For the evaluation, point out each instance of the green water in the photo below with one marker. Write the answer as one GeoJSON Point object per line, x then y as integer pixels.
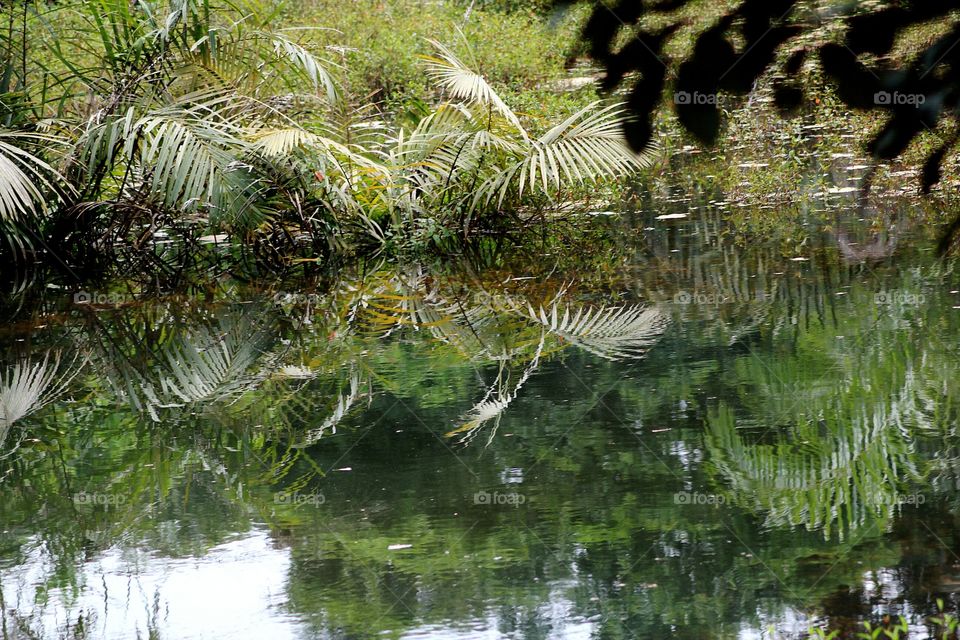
{"type": "Point", "coordinates": [734, 439]}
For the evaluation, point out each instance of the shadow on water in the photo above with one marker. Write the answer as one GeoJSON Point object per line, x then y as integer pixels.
{"type": "Point", "coordinates": [716, 436]}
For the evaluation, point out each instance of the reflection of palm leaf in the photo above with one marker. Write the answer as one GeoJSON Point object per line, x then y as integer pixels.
{"type": "Point", "coordinates": [407, 301]}
{"type": "Point", "coordinates": [609, 332]}
{"type": "Point", "coordinates": [843, 469]}
{"type": "Point", "coordinates": [206, 364]}
{"type": "Point", "coordinates": [27, 387]}
{"type": "Point", "coordinates": [498, 397]}
{"type": "Point", "coordinates": [345, 402]}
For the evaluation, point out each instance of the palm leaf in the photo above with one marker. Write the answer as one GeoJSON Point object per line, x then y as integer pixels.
{"type": "Point", "coordinates": [307, 64]}
{"type": "Point", "coordinates": [197, 162]}
{"type": "Point", "coordinates": [450, 73]}
{"type": "Point", "coordinates": [23, 177]}
{"type": "Point", "coordinates": [587, 146]}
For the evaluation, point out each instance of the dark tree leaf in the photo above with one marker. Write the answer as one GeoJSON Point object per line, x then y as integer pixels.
{"type": "Point", "coordinates": [604, 24]}
{"type": "Point", "coordinates": [875, 32]}
{"type": "Point", "coordinates": [754, 60]}
{"type": "Point", "coordinates": [950, 238]}
{"type": "Point", "coordinates": [643, 100]}
{"type": "Point", "coordinates": [856, 85]}
{"type": "Point", "coordinates": [932, 166]}
{"type": "Point", "coordinates": [787, 97]}
{"type": "Point", "coordinates": [795, 62]}
{"type": "Point", "coordinates": [643, 54]}
{"type": "Point", "coordinates": [895, 137]}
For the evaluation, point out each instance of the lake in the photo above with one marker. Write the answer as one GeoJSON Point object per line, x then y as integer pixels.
{"type": "Point", "coordinates": [718, 435]}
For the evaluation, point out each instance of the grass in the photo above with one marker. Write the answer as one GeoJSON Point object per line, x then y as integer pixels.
{"type": "Point", "coordinates": [378, 44]}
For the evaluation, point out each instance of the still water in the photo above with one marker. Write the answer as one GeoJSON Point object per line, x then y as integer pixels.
{"type": "Point", "coordinates": [718, 436]}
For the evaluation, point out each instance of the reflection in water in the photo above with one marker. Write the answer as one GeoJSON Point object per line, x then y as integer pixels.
{"type": "Point", "coordinates": [744, 439]}
{"type": "Point", "coordinates": [128, 594]}
{"type": "Point", "coordinates": [28, 386]}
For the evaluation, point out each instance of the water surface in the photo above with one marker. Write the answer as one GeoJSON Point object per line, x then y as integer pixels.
{"type": "Point", "coordinates": [714, 437]}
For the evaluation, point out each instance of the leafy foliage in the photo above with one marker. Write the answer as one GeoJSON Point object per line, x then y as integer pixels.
{"type": "Point", "coordinates": [199, 121]}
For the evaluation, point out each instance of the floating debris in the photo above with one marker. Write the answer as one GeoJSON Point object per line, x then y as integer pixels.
{"type": "Point", "coordinates": [397, 547]}
{"type": "Point", "coordinates": [672, 216]}
{"type": "Point", "coordinates": [219, 238]}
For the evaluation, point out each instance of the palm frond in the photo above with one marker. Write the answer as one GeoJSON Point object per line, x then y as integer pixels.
{"type": "Point", "coordinates": [23, 177]}
{"type": "Point", "coordinates": [449, 72]}
{"type": "Point", "coordinates": [197, 162]}
{"type": "Point", "coordinates": [587, 146]}
{"type": "Point", "coordinates": [282, 141]}
{"type": "Point", "coordinates": [308, 64]}
{"type": "Point", "coordinates": [102, 138]}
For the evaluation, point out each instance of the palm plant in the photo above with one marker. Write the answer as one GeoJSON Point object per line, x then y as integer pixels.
{"type": "Point", "coordinates": [175, 94]}
{"type": "Point", "coordinates": [27, 182]}
{"type": "Point", "coordinates": [198, 119]}
{"type": "Point", "coordinates": [475, 152]}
